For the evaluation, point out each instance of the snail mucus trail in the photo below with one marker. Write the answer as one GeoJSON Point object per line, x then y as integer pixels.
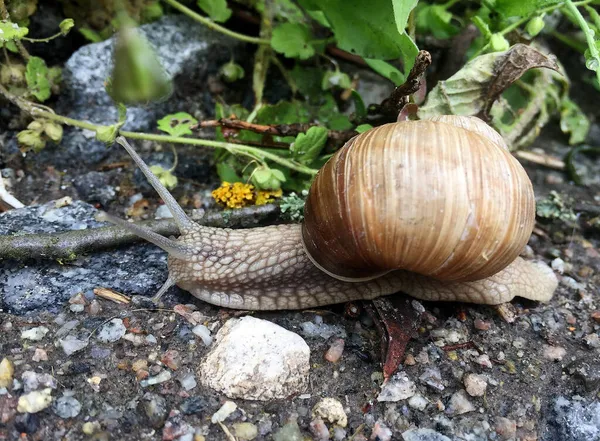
{"type": "Point", "coordinates": [268, 268]}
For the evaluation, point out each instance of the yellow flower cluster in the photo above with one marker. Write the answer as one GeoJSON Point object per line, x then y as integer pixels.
{"type": "Point", "coordinates": [238, 195]}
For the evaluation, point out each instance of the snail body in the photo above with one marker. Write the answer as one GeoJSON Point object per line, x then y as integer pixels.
{"type": "Point", "coordinates": [426, 238]}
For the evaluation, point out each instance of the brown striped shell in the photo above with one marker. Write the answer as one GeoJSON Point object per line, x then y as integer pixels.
{"type": "Point", "coordinates": [440, 197]}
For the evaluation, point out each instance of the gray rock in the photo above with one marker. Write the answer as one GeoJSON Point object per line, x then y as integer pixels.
{"type": "Point", "coordinates": [399, 387]}
{"type": "Point", "coordinates": [67, 407]}
{"type": "Point", "coordinates": [573, 420]}
{"type": "Point", "coordinates": [155, 408]}
{"type": "Point", "coordinates": [255, 359]}
{"type": "Point", "coordinates": [188, 51]}
{"type": "Point", "coordinates": [112, 331]}
{"type": "Point", "coordinates": [47, 285]}
{"type": "Point", "coordinates": [94, 187]}
{"type": "Point", "coordinates": [423, 435]}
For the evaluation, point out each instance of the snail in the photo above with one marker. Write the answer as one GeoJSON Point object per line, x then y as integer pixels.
{"type": "Point", "coordinates": [438, 209]}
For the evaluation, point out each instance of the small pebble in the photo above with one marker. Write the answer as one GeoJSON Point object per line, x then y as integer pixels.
{"type": "Point", "coordinates": [506, 428]}
{"type": "Point", "coordinates": [35, 401]}
{"type": "Point", "coordinates": [34, 380]}
{"type": "Point", "coordinates": [204, 333]}
{"type": "Point", "coordinates": [91, 427]}
{"type": "Point", "coordinates": [381, 432]}
{"type": "Point", "coordinates": [188, 381]}
{"type": "Point", "coordinates": [35, 334]}
{"type": "Point", "coordinates": [194, 405]}
{"type": "Point", "coordinates": [40, 355]}
{"type": "Point", "coordinates": [77, 308]}
{"type": "Point", "coordinates": [112, 331]}
{"type": "Point", "coordinates": [482, 325]}
{"type": "Point", "coordinates": [335, 351]}
{"type": "Point", "coordinates": [95, 308]}
{"type": "Point", "coordinates": [78, 299]}
{"type": "Point", "coordinates": [399, 387]}
{"type": "Point", "coordinates": [432, 378]}
{"type": "Point", "coordinates": [592, 340]}
{"type": "Point", "coordinates": [423, 435]}
{"type": "Point", "coordinates": [245, 431]}
{"type": "Point", "coordinates": [570, 282]}
{"type": "Point", "coordinates": [289, 432]}
{"type": "Point", "coordinates": [459, 404]}
{"type": "Point", "coordinates": [171, 359]}
{"type": "Point", "coordinates": [418, 402]}
{"type": "Point", "coordinates": [138, 364]}
{"type": "Point", "coordinates": [155, 408]}
{"type": "Point", "coordinates": [475, 384]}
{"type": "Point", "coordinates": [554, 353]}
{"type": "Point", "coordinates": [7, 370]}
{"type": "Point", "coordinates": [339, 434]}
{"type": "Point", "coordinates": [226, 409]}
{"type": "Point", "coordinates": [71, 344]}
{"type": "Point", "coordinates": [160, 378]}
{"type": "Point", "coordinates": [330, 409]}
{"type": "Point", "coordinates": [558, 265]}
{"type": "Point", "coordinates": [409, 360]}
{"type": "Point", "coordinates": [595, 315]}
{"type": "Point", "coordinates": [484, 360]}
{"type": "Point", "coordinates": [67, 407]}
{"type": "Point", "coordinates": [319, 429]}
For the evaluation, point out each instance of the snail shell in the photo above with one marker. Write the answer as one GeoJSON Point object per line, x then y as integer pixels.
{"type": "Point", "coordinates": [442, 198]}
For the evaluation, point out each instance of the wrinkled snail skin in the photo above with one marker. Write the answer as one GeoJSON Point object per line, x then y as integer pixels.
{"type": "Point", "coordinates": [267, 268]}
{"type": "Point", "coordinates": [275, 267]}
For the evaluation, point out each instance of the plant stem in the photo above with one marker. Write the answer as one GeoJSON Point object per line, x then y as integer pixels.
{"type": "Point", "coordinates": [5, 16]}
{"type": "Point", "coordinates": [234, 148]}
{"type": "Point", "coordinates": [43, 40]}
{"type": "Point", "coordinates": [214, 26]}
{"type": "Point", "coordinates": [589, 36]}
{"type": "Point", "coordinates": [240, 149]}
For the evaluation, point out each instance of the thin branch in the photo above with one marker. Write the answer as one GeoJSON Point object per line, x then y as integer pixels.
{"type": "Point", "coordinates": [71, 244]}
{"type": "Point", "coordinates": [8, 198]}
{"type": "Point", "coordinates": [340, 136]}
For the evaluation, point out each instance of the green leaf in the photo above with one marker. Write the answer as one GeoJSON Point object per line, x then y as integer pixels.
{"type": "Point", "coordinates": [265, 178]}
{"type": "Point", "coordinates": [335, 78]}
{"type": "Point", "coordinates": [308, 80]}
{"type": "Point", "coordinates": [292, 40]}
{"type": "Point", "coordinates": [498, 43]}
{"type": "Point", "coordinates": [216, 9]}
{"type": "Point", "coordinates": [107, 134]}
{"type": "Point", "coordinates": [151, 12]}
{"type": "Point", "coordinates": [11, 46]}
{"type": "Point", "coordinates": [359, 105]}
{"type": "Point", "coordinates": [232, 71]}
{"type": "Point", "coordinates": [227, 173]}
{"type": "Point", "coordinates": [164, 176]}
{"type": "Point", "coordinates": [91, 35]}
{"type": "Point", "coordinates": [386, 70]}
{"type": "Point", "coordinates": [363, 128]}
{"type": "Point", "coordinates": [367, 29]}
{"type": "Point", "coordinates": [37, 78]}
{"type": "Point", "coordinates": [535, 26]}
{"type": "Point", "coordinates": [435, 19]}
{"type": "Point", "coordinates": [66, 25]}
{"type": "Point", "coordinates": [402, 9]}
{"type": "Point", "coordinates": [574, 121]}
{"type": "Point", "coordinates": [11, 31]}
{"type": "Point", "coordinates": [521, 8]}
{"type": "Point", "coordinates": [307, 146]}
{"type": "Point", "coordinates": [284, 112]}
{"type": "Point", "coordinates": [177, 124]}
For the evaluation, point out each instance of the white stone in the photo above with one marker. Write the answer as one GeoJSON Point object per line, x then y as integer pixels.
{"type": "Point", "coordinates": [72, 344]}
{"type": "Point", "coordinates": [475, 384]}
{"type": "Point", "coordinates": [34, 402]}
{"type": "Point", "coordinates": [34, 334]}
{"type": "Point", "coordinates": [255, 359]}
{"type": "Point", "coordinates": [418, 402]}
{"type": "Point", "coordinates": [224, 411]}
{"type": "Point", "coordinates": [112, 331]}
{"type": "Point", "coordinates": [399, 387]}
{"type": "Point", "coordinates": [330, 409]}
{"type": "Point", "coordinates": [204, 333]}
{"type": "Point", "coordinates": [459, 404]}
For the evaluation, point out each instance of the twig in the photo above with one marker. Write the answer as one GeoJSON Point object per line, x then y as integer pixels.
{"type": "Point", "coordinates": [276, 129]}
{"type": "Point", "coordinates": [8, 198]}
{"type": "Point", "coordinates": [69, 245]}
{"type": "Point", "coordinates": [541, 159]}
{"type": "Point", "coordinates": [391, 106]}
